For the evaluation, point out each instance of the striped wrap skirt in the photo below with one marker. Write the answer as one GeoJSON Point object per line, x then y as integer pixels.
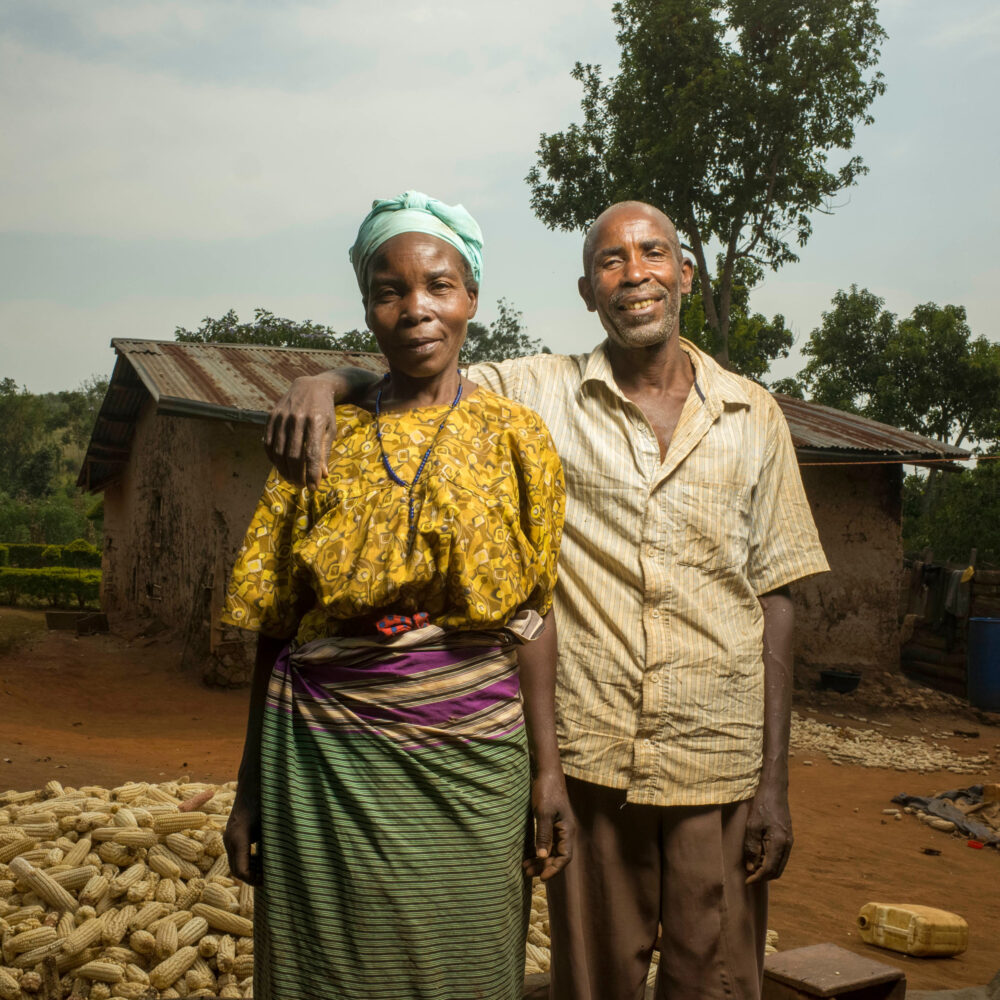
{"type": "Point", "coordinates": [395, 802]}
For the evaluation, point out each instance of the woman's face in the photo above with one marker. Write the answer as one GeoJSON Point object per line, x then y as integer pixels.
{"type": "Point", "coordinates": [418, 305]}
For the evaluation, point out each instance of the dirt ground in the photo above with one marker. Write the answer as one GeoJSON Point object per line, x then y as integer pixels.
{"type": "Point", "coordinates": [103, 710]}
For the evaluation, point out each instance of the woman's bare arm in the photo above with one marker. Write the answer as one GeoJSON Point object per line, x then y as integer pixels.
{"type": "Point", "coordinates": [555, 826]}
{"type": "Point", "coordinates": [243, 828]}
{"type": "Point", "coordinates": [302, 424]}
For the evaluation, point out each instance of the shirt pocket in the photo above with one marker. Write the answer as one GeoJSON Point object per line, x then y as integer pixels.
{"type": "Point", "coordinates": [715, 526]}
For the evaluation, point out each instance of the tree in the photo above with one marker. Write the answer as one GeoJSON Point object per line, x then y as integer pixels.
{"type": "Point", "coordinates": [275, 331]}
{"type": "Point", "coordinates": [925, 373]}
{"type": "Point", "coordinates": [965, 514]}
{"type": "Point", "coordinates": [724, 113]}
{"type": "Point", "coordinates": [504, 338]}
{"type": "Point", "coordinates": [754, 341]}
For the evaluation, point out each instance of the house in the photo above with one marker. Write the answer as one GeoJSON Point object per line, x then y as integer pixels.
{"type": "Point", "coordinates": [176, 449]}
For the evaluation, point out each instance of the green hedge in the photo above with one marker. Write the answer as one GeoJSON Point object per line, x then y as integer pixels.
{"type": "Point", "coordinates": [59, 586]}
{"type": "Point", "coordinates": [79, 554]}
{"type": "Point", "coordinates": [4, 555]}
{"type": "Point", "coordinates": [25, 556]}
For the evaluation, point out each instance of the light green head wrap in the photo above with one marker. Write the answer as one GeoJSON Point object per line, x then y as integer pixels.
{"type": "Point", "coordinates": [414, 212]}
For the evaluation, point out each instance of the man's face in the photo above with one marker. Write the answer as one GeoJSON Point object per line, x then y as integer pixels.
{"type": "Point", "coordinates": [636, 277]}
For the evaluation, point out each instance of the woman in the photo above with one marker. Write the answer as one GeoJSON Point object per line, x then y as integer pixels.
{"type": "Point", "coordinates": [386, 778]}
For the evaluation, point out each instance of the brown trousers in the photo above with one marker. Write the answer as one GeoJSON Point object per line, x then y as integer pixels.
{"type": "Point", "coordinates": [639, 868]}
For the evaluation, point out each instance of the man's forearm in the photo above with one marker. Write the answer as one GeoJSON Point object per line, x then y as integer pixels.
{"type": "Point", "coordinates": [779, 627]}
{"type": "Point", "coordinates": [348, 384]}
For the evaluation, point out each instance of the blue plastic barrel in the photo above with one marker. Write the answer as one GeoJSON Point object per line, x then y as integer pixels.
{"type": "Point", "coordinates": [983, 663]}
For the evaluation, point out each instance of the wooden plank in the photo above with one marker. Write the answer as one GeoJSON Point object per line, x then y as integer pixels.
{"type": "Point", "coordinates": [826, 970]}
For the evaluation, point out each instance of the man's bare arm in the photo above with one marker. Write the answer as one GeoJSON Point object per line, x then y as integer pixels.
{"type": "Point", "coordinates": [768, 839]}
{"type": "Point", "coordinates": [302, 424]}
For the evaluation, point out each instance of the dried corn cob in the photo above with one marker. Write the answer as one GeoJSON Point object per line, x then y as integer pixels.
{"type": "Point", "coordinates": [129, 991]}
{"type": "Point", "coordinates": [16, 847]}
{"type": "Point", "coordinates": [142, 942]}
{"type": "Point", "coordinates": [223, 920]}
{"type": "Point", "coordinates": [171, 969]}
{"type": "Point", "coordinates": [160, 861]}
{"type": "Point", "coordinates": [94, 890]}
{"type": "Point", "coordinates": [135, 836]}
{"type": "Point", "coordinates": [243, 966]}
{"type": "Point", "coordinates": [9, 988]}
{"type": "Point", "coordinates": [192, 932]}
{"type": "Point", "coordinates": [103, 972]}
{"type": "Point", "coordinates": [214, 895]}
{"type": "Point", "coordinates": [74, 879]}
{"type": "Point", "coordinates": [166, 939]}
{"type": "Point", "coordinates": [42, 885]}
{"type": "Point", "coordinates": [172, 822]}
{"type": "Point", "coordinates": [226, 953]}
{"type": "Point", "coordinates": [86, 935]}
{"type": "Point", "coordinates": [115, 925]}
{"type": "Point", "coordinates": [27, 940]}
{"type": "Point", "coordinates": [184, 846]}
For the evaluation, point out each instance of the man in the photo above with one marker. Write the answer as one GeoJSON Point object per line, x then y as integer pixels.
{"type": "Point", "coordinates": [686, 522]}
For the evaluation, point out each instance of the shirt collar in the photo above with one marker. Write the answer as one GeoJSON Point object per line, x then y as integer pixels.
{"type": "Point", "coordinates": [716, 386]}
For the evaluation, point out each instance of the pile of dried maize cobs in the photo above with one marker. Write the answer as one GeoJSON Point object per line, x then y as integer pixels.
{"type": "Point", "coordinates": [126, 892]}
{"type": "Point", "coordinates": [121, 892]}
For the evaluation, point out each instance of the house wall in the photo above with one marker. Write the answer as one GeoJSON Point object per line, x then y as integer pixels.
{"type": "Point", "coordinates": [172, 526]}
{"type": "Point", "coordinates": [848, 618]}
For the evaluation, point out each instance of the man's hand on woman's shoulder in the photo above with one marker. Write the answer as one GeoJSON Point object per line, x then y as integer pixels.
{"type": "Point", "coordinates": [302, 425]}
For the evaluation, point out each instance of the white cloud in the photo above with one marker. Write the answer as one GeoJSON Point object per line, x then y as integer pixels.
{"type": "Point", "coordinates": [111, 150]}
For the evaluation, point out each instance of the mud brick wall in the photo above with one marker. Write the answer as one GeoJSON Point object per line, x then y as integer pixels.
{"type": "Point", "coordinates": [848, 618]}
{"type": "Point", "coordinates": [173, 524]}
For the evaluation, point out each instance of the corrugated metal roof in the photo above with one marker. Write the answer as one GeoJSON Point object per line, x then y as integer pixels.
{"type": "Point", "coordinates": [243, 381]}
{"type": "Point", "coordinates": [823, 429]}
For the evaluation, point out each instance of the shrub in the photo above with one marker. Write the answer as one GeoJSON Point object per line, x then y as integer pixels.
{"type": "Point", "coordinates": [59, 586]}
{"type": "Point", "coordinates": [81, 554]}
{"type": "Point", "coordinates": [25, 555]}
{"type": "Point", "coordinates": [4, 555]}
{"type": "Point", "coordinates": [52, 555]}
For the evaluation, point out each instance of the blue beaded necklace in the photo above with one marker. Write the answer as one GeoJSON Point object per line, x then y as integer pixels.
{"type": "Point", "coordinates": [393, 475]}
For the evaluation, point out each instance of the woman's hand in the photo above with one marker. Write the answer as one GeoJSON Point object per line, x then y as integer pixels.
{"type": "Point", "coordinates": [242, 831]}
{"type": "Point", "coordinates": [555, 826]}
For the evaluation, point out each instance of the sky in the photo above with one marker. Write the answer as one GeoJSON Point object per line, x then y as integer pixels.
{"type": "Point", "coordinates": [165, 161]}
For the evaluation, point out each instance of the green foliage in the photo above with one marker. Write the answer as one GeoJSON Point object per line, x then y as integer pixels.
{"type": "Point", "coordinates": [964, 515]}
{"type": "Point", "coordinates": [25, 556]}
{"type": "Point", "coordinates": [504, 338]}
{"type": "Point", "coordinates": [925, 373]}
{"type": "Point", "coordinates": [42, 442]}
{"type": "Point", "coordinates": [754, 342]}
{"type": "Point", "coordinates": [725, 114]}
{"type": "Point", "coordinates": [275, 331]}
{"type": "Point", "coordinates": [4, 555]}
{"type": "Point", "coordinates": [56, 586]}
{"type": "Point", "coordinates": [80, 554]}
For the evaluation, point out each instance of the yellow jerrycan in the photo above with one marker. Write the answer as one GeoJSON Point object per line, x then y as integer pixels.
{"type": "Point", "coordinates": [913, 930]}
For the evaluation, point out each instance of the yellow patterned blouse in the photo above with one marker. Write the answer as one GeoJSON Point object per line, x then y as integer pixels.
{"type": "Point", "coordinates": [489, 514]}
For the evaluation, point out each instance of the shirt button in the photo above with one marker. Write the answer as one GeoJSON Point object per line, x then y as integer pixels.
{"type": "Point", "coordinates": [654, 678]}
{"type": "Point", "coordinates": [648, 743]}
{"type": "Point", "coordinates": [654, 613]}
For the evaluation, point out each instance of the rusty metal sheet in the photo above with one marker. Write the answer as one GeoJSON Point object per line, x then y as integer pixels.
{"type": "Point", "coordinates": [822, 427]}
